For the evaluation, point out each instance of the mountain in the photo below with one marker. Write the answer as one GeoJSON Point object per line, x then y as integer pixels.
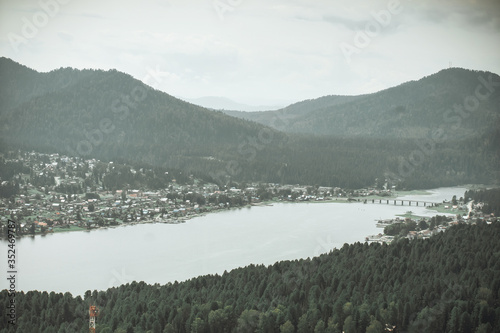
{"type": "Point", "coordinates": [411, 110]}
{"type": "Point", "coordinates": [111, 116]}
{"type": "Point", "coordinates": [223, 103]}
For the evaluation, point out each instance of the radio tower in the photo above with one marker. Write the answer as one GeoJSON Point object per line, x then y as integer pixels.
{"type": "Point", "coordinates": [93, 313]}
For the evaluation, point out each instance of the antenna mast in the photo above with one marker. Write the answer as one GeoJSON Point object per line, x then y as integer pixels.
{"type": "Point", "coordinates": [93, 313]}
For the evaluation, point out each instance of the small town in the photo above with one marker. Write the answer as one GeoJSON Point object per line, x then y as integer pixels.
{"type": "Point", "coordinates": [55, 193]}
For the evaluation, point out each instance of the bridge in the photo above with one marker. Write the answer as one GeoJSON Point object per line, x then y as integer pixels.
{"type": "Point", "coordinates": [401, 202]}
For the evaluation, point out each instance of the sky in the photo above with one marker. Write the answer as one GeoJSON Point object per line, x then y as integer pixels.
{"type": "Point", "coordinates": [255, 51]}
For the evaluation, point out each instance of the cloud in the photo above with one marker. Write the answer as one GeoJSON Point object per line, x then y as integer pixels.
{"type": "Point", "coordinates": [347, 23]}
{"type": "Point", "coordinates": [90, 15]}
{"type": "Point", "coordinates": [484, 18]}
{"type": "Point", "coordinates": [65, 37]}
{"type": "Point", "coordinates": [483, 14]}
{"type": "Point", "coordinates": [281, 49]}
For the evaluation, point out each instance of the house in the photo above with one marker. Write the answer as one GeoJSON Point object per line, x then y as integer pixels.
{"type": "Point", "coordinates": [412, 235]}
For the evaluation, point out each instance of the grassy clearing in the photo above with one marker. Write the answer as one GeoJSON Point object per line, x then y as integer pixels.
{"type": "Point", "coordinates": [441, 209]}
{"type": "Point", "coordinates": [71, 228]}
{"type": "Point", "coordinates": [413, 192]}
{"type": "Point", "coordinates": [375, 197]}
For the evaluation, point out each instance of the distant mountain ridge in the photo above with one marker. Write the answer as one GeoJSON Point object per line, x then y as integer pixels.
{"type": "Point", "coordinates": [410, 110]}
{"type": "Point", "coordinates": [223, 103]}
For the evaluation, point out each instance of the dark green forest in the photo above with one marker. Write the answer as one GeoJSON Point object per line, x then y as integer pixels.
{"type": "Point", "coordinates": [113, 117]}
{"type": "Point", "coordinates": [448, 283]}
{"type": "Point", "coordinates": [490, 198]}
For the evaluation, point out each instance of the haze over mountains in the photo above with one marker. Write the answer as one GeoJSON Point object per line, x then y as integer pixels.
{"type": "Point", "coordinates": [223, 103]}
{"type": "Point", "coordinates": [112, 116]}
{"type": "Point", "coordinates": [410, 110]}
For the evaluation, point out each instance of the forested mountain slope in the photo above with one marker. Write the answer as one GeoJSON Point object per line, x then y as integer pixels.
{"type": "Point", "coordinates": [113, 117]}
{"type": "Point", "coordinates": [411, 110]}
{"type": "Point", "coordinates": [448, 283]}
{"type": "Point", "coordinates": [110, 115]}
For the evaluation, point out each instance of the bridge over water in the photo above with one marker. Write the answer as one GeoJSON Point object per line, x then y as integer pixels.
{"type": "Point", "coordinates": [401, 202]}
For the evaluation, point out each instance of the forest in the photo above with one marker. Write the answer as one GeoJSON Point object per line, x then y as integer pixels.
{"type": "Point", "coordinates": [110, 116]}
{"type": "Point", "coordinates": [448, 283]}
{"type": "Point", "coordinates": [490, 198]}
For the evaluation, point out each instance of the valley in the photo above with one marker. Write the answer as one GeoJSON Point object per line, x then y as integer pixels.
{"type": "Point", "coordinates": [139, 173]}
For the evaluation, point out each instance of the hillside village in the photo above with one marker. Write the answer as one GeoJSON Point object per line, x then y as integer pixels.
{"type": "Point", "coordinates": [53, 193]}
{"type": "Point", "coordinates": [48, 193]}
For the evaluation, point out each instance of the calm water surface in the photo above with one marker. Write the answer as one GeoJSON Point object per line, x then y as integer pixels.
{"type": "Point", "coordinates": [161, 253]}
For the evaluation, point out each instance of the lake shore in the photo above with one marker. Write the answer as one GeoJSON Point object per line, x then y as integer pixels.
{"type": "Point", "coordinates": [182, 219]}
{"type": "Point", "coordinates": [159, 253]}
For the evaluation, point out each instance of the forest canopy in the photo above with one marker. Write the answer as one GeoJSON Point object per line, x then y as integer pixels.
{"type": "Point", "coordinates": [448, 283]}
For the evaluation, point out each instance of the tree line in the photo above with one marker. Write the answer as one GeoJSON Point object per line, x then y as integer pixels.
{"type": "Point", "coordinates": [490, 198]}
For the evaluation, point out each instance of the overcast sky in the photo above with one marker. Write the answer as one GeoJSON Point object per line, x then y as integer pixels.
{"type": "Point", "coordinates": [255, 51]}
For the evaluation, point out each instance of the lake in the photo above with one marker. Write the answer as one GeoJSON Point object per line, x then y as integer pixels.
{"type": "Point", "coordinates": [162, 253]}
